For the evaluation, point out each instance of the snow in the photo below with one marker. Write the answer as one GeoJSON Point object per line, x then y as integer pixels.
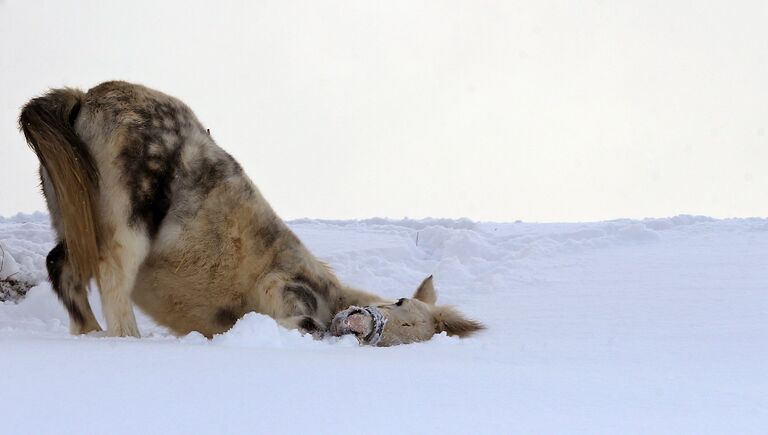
{"type": "Point", "coordinates": [652, 326]}
{"type": "Point", "coordinates": [24, 242]}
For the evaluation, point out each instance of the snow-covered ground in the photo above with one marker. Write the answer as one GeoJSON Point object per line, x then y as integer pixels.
{"type": "Point", "coordinates": [653, 326]}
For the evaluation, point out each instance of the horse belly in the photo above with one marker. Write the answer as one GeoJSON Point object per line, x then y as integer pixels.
{"type": "Point", "coordinates": [193, 288]}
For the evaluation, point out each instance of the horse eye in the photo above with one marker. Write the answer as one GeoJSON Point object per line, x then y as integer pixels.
{"type": "Point", "coordinates": [400, 301]}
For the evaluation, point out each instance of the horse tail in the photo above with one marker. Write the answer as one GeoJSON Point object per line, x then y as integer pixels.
{"type": "Point", "coordinates": [48, 126]}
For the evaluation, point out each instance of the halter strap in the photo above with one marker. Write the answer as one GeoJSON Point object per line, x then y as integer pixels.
{"type": "Point", "coordinates": [378, 326]}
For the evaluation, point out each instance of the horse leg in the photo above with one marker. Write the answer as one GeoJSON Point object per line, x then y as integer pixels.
{"type": "Point", "coordinates": [71, 292]}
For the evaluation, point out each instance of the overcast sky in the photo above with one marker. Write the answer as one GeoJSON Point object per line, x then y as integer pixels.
{"type": "Point", "coordinates": [541, 111]}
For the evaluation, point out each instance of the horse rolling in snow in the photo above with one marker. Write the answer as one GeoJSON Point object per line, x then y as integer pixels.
{"type": "Point", "coordinates": [144, 202]}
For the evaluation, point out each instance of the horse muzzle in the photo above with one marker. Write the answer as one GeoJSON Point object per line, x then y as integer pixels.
{"type": "Point", "coordinates": [367, 323]}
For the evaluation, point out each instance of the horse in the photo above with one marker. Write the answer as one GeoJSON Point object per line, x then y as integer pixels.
{"type": "Point", "coordinates": [146, 204]}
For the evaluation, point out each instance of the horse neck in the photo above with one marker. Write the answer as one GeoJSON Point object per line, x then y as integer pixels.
{"type": "Point", "coordinates": [348, 296]}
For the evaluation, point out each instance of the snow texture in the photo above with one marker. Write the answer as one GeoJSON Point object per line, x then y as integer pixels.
{"type": "Point", "coordinates": [653, 326]}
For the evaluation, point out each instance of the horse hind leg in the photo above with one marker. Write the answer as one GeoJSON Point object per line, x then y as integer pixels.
{"type": "Point", "coordinates": [72, 293]}
{"type": "Point", "coordinates": [119, 268]}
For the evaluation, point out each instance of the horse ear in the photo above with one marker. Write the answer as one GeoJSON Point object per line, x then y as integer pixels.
{"type": "Point", "coordinates": [426, 292]}
{"type": "Point", "coordinates": [454, 323]}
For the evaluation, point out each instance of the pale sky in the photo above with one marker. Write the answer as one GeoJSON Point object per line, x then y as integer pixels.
{"type": "Point", "coordinates": [498, 110]}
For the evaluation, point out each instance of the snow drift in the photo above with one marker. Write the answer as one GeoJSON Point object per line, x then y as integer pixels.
{"type": "Point", "coordinates": [653, 326]}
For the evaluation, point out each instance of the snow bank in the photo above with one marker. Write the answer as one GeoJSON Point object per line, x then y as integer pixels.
{"type": "Point", "coordinates": [260, 331]}
{"type": "Point", "coordinates": [8, 266]}
{"type": "Point", "coordinates": [25, 240]}
{"type": "Point", "coordinates": [652, 326]}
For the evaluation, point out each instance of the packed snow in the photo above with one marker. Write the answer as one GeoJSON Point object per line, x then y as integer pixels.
{"type": "Point", "coordinates": [652, 326]}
